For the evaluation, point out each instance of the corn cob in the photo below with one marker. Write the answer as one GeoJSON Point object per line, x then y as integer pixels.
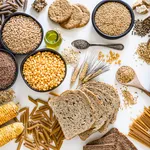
{"type": "Point", "coordinates": [10, 132]}
{"type": "Point", "coordinates": [8, 112]}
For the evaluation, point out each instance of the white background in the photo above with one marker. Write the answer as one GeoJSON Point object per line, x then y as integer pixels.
{"type": "Point", "coordinates": [127, 55]}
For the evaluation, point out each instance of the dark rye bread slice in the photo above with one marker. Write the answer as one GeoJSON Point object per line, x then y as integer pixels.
{"type": "Point", "coordinates": [109, 89]}
{"type": "Point", "coordinates": [100, 147]}
{"type": "Point", "coordinates": [73, 112]}
{"type": "Point", "coordinates": [114, 136]}
{"type": "Point", "coordinates": [99, 117]}
{"type": "Point", "coordinates": [111, 146]}
{"type": "Point", "coordinates": [108, 103]}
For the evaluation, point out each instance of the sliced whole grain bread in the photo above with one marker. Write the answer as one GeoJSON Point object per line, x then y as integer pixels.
{"type": "Point", "coordinates": [99, 117]}
{"type": "Point", "coordinates": [111, 138]}
{"type": "Point", "coordinates": [114, 136]}
{"type": "Point", "coordinates": [73, 112]}
{"type": "Point", "coordinates": [100, 147]}
{"type": "Point", "coordinates": [108, 103]}
{"type": "Point", "coordinates": [111, 146]}
{"type": "Point", "coordinates": [109, 89]}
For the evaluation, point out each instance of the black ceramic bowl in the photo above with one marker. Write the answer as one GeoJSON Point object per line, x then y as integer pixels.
{"type": "Point", "coordinates": [33, 53]}
{"type": "Point", "coordinates": [108, 36]}
{"type": "Point", "coordinates": [17, 14]}
{"type": "Point", "coordinates": [16, 74]}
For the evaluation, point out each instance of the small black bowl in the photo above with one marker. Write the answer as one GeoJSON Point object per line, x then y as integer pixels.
{"type": "Point", "coordinates": [16, 74]}
{"type": "Point", "coordinates": [33, 53]}
{"type": "Point", "coordinates": [108, 36]}
{"type": "Point", "coordinates": [1, 31]}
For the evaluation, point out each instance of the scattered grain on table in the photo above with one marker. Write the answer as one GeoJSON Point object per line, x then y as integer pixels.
{"type": "Point", "coordinates": [21, 34]}
{"type": "Point", "coordinates": [44, 71]}
{"type": "Point", "coordinates": [113, 18]}
{"type": "Point", "coordinates": [125, 74]}
{"type": "Point", "coordinates": [111, 57]}
{"type": "Point", "coordinates": [128, 99]}
{"type": "Point", "coordinates": [70, 55]}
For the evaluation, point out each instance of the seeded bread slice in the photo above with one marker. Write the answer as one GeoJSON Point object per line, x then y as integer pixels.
{"type": "Point", "coordinates": [73, 112]}
{"type": "Point", "coordinates": [99, 117]}
{"type": "Point", "coordinates": [108, 89]}
{"type": "Point", "coordinates": [108, 103]}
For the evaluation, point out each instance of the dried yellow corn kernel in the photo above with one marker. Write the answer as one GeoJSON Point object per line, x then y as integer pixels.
{"type": "Point", "coordinates": [10, 132]}
{"type": "Point", "coordinates": [8, 112]}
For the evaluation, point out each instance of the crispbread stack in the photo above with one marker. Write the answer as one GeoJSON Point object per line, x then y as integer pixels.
{"type": "Point", "coordinates": [67, 15]}
{"type": "Point", "coordinates": [113, 140]}
{"type": "Point", "coordinates": [88, 110]}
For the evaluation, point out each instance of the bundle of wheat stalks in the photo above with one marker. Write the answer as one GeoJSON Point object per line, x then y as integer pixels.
{"type": "Point", "coordinates": [140, 129]}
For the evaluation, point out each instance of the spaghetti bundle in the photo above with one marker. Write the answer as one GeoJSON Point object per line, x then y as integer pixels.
{"type": "Point", "coordinates": [140, 129]}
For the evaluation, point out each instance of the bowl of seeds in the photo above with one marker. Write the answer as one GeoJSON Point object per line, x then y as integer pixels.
{"type": "Point", "coordinates": [21, 33]}
{"type": "Point", "coordinates": [43, 70]}
{"type": "Point", "coordinates": [8, 70]}
{"type": "Point", "coordinates": [112, 19]}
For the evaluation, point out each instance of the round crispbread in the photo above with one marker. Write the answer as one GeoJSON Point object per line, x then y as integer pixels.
{"type": "Point", "coordinates": [75, 18]}
{"type": "Point", "coordinates": [85, 15]}
{"type": "Point", "coordinates": [60, 11]}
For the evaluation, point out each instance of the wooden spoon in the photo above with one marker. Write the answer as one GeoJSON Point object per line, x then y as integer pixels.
{"type": "Point", "coordinates": [137, 84]}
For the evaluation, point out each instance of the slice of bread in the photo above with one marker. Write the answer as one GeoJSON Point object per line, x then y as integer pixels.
{"type": "Point", "coordinates": [108, 103]}
{"type": "Point", "coordinates": [114, 136]}
{"type": "Point", "coordinates": [100, 118]}
{"type": "Point", "coordinates": [73, 112]}
{"type": "Point", "coordinates": [100, 147]}
{"type": "Point", "coordinates": [108, 89]}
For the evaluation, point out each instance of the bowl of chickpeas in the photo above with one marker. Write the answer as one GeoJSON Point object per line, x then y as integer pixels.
{"type": "Point", "coordinates": [43, 70]}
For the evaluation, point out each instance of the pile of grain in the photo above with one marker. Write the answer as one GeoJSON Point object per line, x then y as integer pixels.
{"type": "Point", "coordinates": [144, 52]}
{"type": "Point", "coordinates": [125, 74]}
{"type": "Point", "coordinates": [128, 99]}
{"type": "Point", "coordinates": [113, 18]}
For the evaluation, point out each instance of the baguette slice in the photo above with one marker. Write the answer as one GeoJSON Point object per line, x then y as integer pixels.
{"type": "Point", "coordinates": [108, 89]}
{"type": "Point", "coordinates": [99, 117]}
{"type": "Point", "coordinates": [74, 112]}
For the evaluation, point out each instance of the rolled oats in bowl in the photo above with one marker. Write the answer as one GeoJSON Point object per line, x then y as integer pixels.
{"type": "Point", "coordinates": [112, 18]}
{"type": "Point", "coordinates": [21, 34]}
